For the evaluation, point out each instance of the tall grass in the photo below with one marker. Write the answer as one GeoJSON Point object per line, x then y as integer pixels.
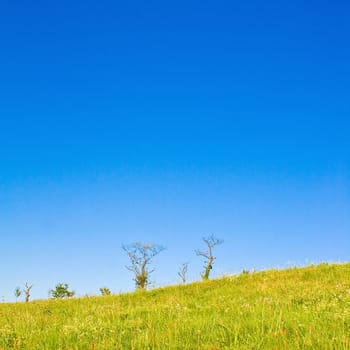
{"type": "Point", "coordinates": [299, 308]}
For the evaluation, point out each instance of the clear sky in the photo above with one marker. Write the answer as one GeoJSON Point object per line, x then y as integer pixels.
{"type": "Point", "coordinates": [166, 121]}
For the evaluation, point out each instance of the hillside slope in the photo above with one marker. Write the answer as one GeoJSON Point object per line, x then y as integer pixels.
{"type": "Point", "coordinates": [299, 308]}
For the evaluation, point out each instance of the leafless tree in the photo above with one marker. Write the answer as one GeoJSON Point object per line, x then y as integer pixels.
{"type": "Point", "coordinates": [210, 242]}
{"type": "Point", "coordinates": [183, 272]}
{"type": "Point", "coordinates": [26, 291]}
{"type": "Point", "coordinates": [140, 255]}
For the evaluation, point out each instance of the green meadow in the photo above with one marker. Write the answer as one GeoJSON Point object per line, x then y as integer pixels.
{"type": "Point", "coordinates": [296, 308]}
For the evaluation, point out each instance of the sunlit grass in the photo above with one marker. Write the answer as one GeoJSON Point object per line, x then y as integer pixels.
{"type": "Point", "coordinates": [299, 308]}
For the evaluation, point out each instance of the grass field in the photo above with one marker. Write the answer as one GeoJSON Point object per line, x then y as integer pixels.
{"type": "Point", "coordinates": [298, 308]}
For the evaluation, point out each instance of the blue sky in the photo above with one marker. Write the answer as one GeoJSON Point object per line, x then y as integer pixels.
{"type": "Point", "coordinates": [165, 122]}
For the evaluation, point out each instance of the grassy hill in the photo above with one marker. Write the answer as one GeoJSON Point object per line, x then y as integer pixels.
{"type": "Point", "coordinates": [298, 308]}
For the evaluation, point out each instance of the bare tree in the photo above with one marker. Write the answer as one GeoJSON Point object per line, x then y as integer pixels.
{"type": "Point", "coordinates": [140, 255]}
{"type": "Point", "coordinates": [183, 272]}
{"type": "Point", "coordinates": [26, 291]}
{"type": "Point", "coordinates": [210, 242]}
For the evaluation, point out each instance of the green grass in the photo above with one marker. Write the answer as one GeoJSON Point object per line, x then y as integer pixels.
{"type": "Point", "coordinates": [298, 308]}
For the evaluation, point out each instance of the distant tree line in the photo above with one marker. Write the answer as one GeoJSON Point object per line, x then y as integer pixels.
{"type": "Point", "coordinates": [141, 256]}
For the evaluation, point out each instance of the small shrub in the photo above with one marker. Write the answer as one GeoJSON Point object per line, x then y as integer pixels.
{"type": "Point", "coordinates": [61, 291]}
{"type": "Point", "coordinates": [105, 291]}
